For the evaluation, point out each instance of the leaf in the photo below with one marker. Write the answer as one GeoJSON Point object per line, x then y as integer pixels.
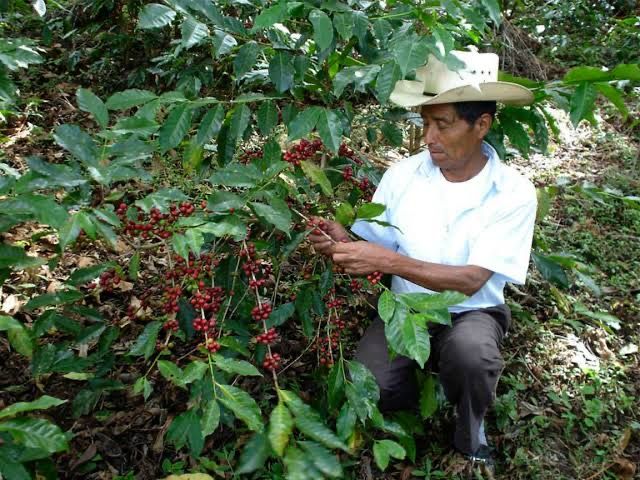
{"type": "Point", "coordinates": [160, 199]}
{"type": "Point", "coordinates": [280, 428]}
{"type": "Point", "coordinates": [267, 117]}
{"type": "Point", "coordinates": [276, 213]}
{"type": "Point", "coordinates": [345, 214]}
{"type": "Point", "coordinates": [281, 71]}
{"type": "Point", "coordinates": [384, 449]}
{"type": "Point", "coordinates": [493, 7]}
{"type": "Point", "coordinates": [154, 15]}
{"type": "Point", "coordinates": [231, 365]}
{"type": "Point", "coordinates": [428, 397]}
{"type": "Point", "coordinates": [359, 76]}
{"type": "Point", "coordinates": [245, 58]}
{"type": "Point", "coordinates": [346, 421]}
{"type": "Point", "coordinates": [221, 201]}
{"type": "Point", "coordinates": [343, 22]}
{"type": "Point", "coordinates": [140, 126]}
{"type": "Point", "coordinates": [129, 98]}
{"type": "Point", "coordinates": [54, 298]}
{"type": "Point", "coordinates": [370, 210]}
{"type": "Point", "coordinates": [299, 466]}
{"type": "Point", "coordinates": [392, 133]}
{"type": "Point", "coordinates": [237, 175]}
{"type": "Point", "coordinates": [21, 340]}
{"type": "Point", "coordinates": [143, 386]}
{"type": "Point", "coordinates": [210, 125]}
{"type": "Point", "coordinates": [185, 429]}
{"type": "Point", "coordinates": [386, 80]}
{"type": "Point", "coordinates": [330, 129]}
{"type": "Point", "coordinates": [410, 54]}
{"type": "Point", "coordinates": [269, 16]}
{"type": "Point", "coordinates": [193, 32]}
{"type": "Point", "coordinates": [550, 270]}
{"type": "Point", "coordinates": [254, 454]}
{"type": "Point", "coordinates": [230, 226]}
{"type": "Point", "coordinates": [386, 306]}
{"type": "Point", "coordinates": [238, 124]}
{"type": "Point", "coordinates": [175, 128]}
{"type": "Point", "coordinates": [36, 433]}
{"type": "Point", "coordinates": [614, 96]}
{"type": "Point", "coordinates": [582, 102]}
{"type": "Point", "coordinates": [322, 29]}
{"type": "Point", "coordinates": [86, 274]}
{"type": "Point", "coordinates": [303, 123]}
{"type": "Point", "coordinates": [41, 403]}
{"type": "Point", "coordinates": [171, 372]}
{"type": "Point", "coordinates": [15, 257]}
{"type": "Point", "coordinates": [77, 142]}
{"type": "Point", "coordinates": [280, 315]}
{"type": "Point", "coordinates": [89, 102]}
{"type": "Point", "coordinates": [210, 417]}
{"type": "Point", "coordinates": [323, 459]}
{"type": "Point", "coordinates": [134, 266]}
{"type": "Point", "coordinates": [223, 43]}
{"type": "Point", "coordinates": [518, 136]}
{"type": "Point", "coordinates": [10, 468]}
{"type": "Point", "coordinates": [317, 176]}
{"type": "Point", "coordinates": [146, 342]}
{"type": "Point", "coordinates": [427, 302]}
{"type": "Point", "coordinates": [242, 405]}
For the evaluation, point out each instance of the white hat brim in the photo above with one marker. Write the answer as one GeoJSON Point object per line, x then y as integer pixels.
{"type": "Point", "coordinates": [408, 94]}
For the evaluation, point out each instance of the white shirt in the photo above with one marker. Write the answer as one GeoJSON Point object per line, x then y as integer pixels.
{"type": "Point", "coordinates": [486, 221]}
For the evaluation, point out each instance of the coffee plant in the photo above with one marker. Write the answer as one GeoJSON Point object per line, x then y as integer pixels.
{"type": "Point", "coordinates": [197, 201]}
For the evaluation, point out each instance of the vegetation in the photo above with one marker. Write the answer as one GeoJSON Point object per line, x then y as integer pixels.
{"type": "Point", "coordinates": [162, 166]}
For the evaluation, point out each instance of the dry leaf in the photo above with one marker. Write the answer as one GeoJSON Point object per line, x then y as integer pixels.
{"type": "Point", "coordinates": [125, 286]}
{"type": "Point", "coordinates": [624, 468]}
{"type": "Point", "coordinates": [190, 476]}
{"type": "Point", "coordinates": [11, 305]}
{"type": "Point", "coordinates": [54, 286]}
{"type": "Point", "coordinates": [86, 262]}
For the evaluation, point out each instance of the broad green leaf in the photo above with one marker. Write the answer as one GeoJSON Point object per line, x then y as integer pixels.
{"type": "Point", "coordinates": [330, 129]}
{"type": "Point", "coordinates": [36, 433]}
{"type": "Point", "coordinates": [386, 306]}
{"type": "Point", "coordinates": [210, 125]}
{"type": "Point", "coordinates": [280, 428]}
{"type": "Point", "coordinates": [317, 175]}
{"type": "Point", "coordinates": [254, 454]}
{"type": "Point", "coordinates": [141, 126]}
{"type": "Point", "coordinates": [21, 340]}
{"type": "Point", "coordinates": [386, 80]}
{"type": "Point", "coordinates": [221, 201]}
{"type": "Point", "coordinates": [245, 58]}
{"type": "Point", "coordinates": [428, 397]}
{"type": "Point", "coordinates": [493, 7]}
{"type": "Point", "coordinates": [9, 467]}
{"type": "Point", "coordinates": [160, 199]}
{"type": "Point", "coordinates": [384, 449]}
{"type": "Point", "coordinates": [237, 175]}
{"type": "Point", "coordinates": [78, 143]}
{"type": "Point", "coordinates": [146, 342]}
{"type": "Point", "coordinates": [345, 214]}
{"type": "Point", "coordinates": [324, 460]}
{"type": "Point", "coordinates": [9, 323]}
{"type": "Point", "coordinates": [281, 71]}
{"type": "Point", "coordinates": [210, 417]}
{"type": "Point", "coordinates": [54, 298]}
{"type": "Point", "coordinates": [90, 103]}
{"type": "Point", "coordinates": [614, 96]}
{"type": "Point", "coordinates": [276, 213]}
{"type": "Point", "coordinates": [550, 270]}
{"type": "Point", "coordinates": [231, 226]}
{"type": "Point", "coordinates": [392, 133]}
{"type": "Point", "coordinates": [322, 29]}
{"type": "Point", "coordinates": [239, 367]}
{"type": "Point", "coordinates": [359, 76]}
{"type": "Point", "coordinates": [180, 246]}
{"type": "Point", "coordinates": [303, 123]}
{"type": "Point", "coordinates": [242, 405]}
{"type": "Point", "coordinates": [370, 210]}
{"type": "Point", "coordinates": [267, 117]}
{"type": "Point", "coordinates": [194, 372]}
{"type": "Point", "coordinates": [41, 403]}
{"type": "Point", "coordinates": [516, 133]}
{"type": "Point", "coordinates": [421, 301]}
{"type": "Point", "coordinates": [410, 54]}
{"type": "Point", "coordinates": [393, 330]}
{"type": "Point", "coordinates": [129, 98]}
{"type": "Point", "coordinates": [86, 274]}
{"type": "Point", "coordinates": [43, 209]}
{"type": "Point", "coordinates": [171, 372]}
{"type": "Point", "coordinates": [344, 25]}
{"type": "Point", "coordinates": [193, 32]}
{"type": "Point", "coordinates": [185, 430]}
{"type": "Point", "coordinates": [582, 102]}
{"type": "Point", "coordinates": [175, 127]}
{"type": "Point", "coordinates": [143, 386]}
{"type": "Point", "coordinates": [346, 422]}
{"type": "Point", "coordinates": [238, 124]}
{"type": "Point", "coordinates": [627, 71]}
{"type": "Point", "coordinates": [15, 257]}
{"type": "Point", "coordinates": [269, 16]}
{"type": "Point", "coordinates": [155, 15]}
{"type": "Point", "coordinates": [335, 384]}
{"type": "Point", "coordinates": [299, 466]}
{"type": "Point", "coordinates": [223, 43]}
{"type": "Point", "coordinates": [280, 315]}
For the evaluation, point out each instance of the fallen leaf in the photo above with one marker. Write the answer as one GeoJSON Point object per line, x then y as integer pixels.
{"type": "Point", "coordinates": [54, 286]}
{"type": "Point", "coordinates": [86, 262]}
{"type": "Point", "coordinates": [11, 305]}
{"type": "Point", "coordinates": [624, 441]}
{"type": "Point", "coordinates": [628, 349]}
{"type": "Point", "coordinates": [190, 476]}
{"type": "Point", "coordinates": [125, 286]}
{"type": "Point", "coordinates": [88, 454]}
{"type": "Point", "coordinates": [625, 469]}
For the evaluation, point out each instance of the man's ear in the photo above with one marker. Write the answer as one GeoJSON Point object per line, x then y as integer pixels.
{"type": "Point", "coordinates": [483, 124]}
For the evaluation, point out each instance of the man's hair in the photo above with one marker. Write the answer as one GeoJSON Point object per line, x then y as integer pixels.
{"type": "Point", "coordinates": [472, 111]}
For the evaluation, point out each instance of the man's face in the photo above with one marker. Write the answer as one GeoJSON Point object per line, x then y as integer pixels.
{"type": "Point", "coordinates": [451, 141]}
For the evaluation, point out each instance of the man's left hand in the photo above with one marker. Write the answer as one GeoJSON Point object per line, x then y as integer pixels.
{"type": "Point", "coordinates": [362, 258]}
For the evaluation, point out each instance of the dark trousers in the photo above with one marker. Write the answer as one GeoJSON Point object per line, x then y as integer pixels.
{"type": "Point", "coordinates": [467, 355]}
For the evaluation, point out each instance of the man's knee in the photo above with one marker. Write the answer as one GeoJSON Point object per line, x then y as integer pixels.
{"type": "Point", "coordinates": [471, 356]}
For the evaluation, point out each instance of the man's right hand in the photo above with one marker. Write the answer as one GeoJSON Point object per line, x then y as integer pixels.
{"type": "Point", "coordinates": [321, 243]}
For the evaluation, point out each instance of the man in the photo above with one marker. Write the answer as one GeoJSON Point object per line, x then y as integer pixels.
{"type": "Point", "coordinates": [465, 223]}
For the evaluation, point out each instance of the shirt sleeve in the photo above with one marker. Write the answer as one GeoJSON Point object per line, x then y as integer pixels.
{"type": "Point", "coordinates": [504, 245]}
{"type": "Point", "coordinates": [374, 232]}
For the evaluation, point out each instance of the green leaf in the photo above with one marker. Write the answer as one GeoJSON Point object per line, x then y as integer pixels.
{"type": "Point", "coordinates": [221, 201]}
{"type": "Point", "coordinates": [245, 58]}
{"type": "Point", "coordinates": [267, 117]}
{"type": "Point", "coordinates": [392, 133]}
{"type": "Point", "coordinates": [77, 142]}
{"type": "Point", "coordinates": [254, 454]}
{"type": "Point", "coordinates": [582, 102]}
{"type": "Point", "coordinates": [41, 403]}
{"type": "Point", "coordinates": [614, 96]}
{"type": "Point", "coordinates": [15, 257]}
{"type": "Point", "coordinates": [154, 15]}
{"type": "Point", "coordinates": [345, 214]}
{"type": "Point", "coordinates": [323, 459]}
{"type": "Point", "coordinates": [146, 342]}
{"type": "Point", "coordinates": [140, 126]}
{"type": "Point", "coordinates": [185, 430]}
{"type": "Point", "coordinates": [54, 298]}
{"type": "Point", "coordinates": [160, 199]}
{"type": "Point", "coordinates": [86, 274]}
{"type": "Point", "coordinates": [21, 340]}
{"type": "Point", "coordinates": [269, 16]}
{"type": "Point", "coordinates": [9, 323]}
{"type": "Point", "coordinates": [518, 136]}
{"type": "Point", "coordinates": [231, 365]}
{"type": "Point", "coordinates": [386, 306]}
{"type": "Point", "coordinates": [171, 372]}
{"type": "Point", "coordinates": [346, 422]}
{"type": "Point", "coordinates": [322, 29]}
{"type": "Point", "coordinates": [424, 302]}
{"type": "Point", "coordinates": [36, 433]}
{"type": "Point", "coordinates": [143, 386]}
{"type": "Point", "coordinates": [330, 129]}
{"type": "Point", "coordinates": [493, 7]}
{"type": "Point", "coordinates": [90, 103]}
{"type": "Point", "coordinates": [359, 76]}
{"type": "Point", "coordinates": [134, 266]}
{"type": "Point", "coordinates": [370, 210]}
{"type": "Point", "coordinates": [386, 80]}
{"type": "Point", "coordinates": [384, 449]}
{"type": "Point", "coordinates": [230, 226]}
{"type": "Point", "coordinates": [281, 71]}
{"type": "Point", "coordinates": [428, 397]}
{"type": "Point", "coordinates": [280, 428]}
{"type": "Point", "coordinates": [210, 417]}
{"type": "Point", "coordinates": [210, 125]}
{"type": "Point", "coordinates": [239, 121]}
{"type": "Point", "coordinates": [280, 315]}
{"type": "Point", "coordinates": [175, 128]}
{"type": "Point", "coordinates": [223, 43]}
{"type": "Point", "coordinates": [299, 466]}
{"type": "Point", "coordinates": [343, 22]}
{"type": "Point", "coordinates": [276, 213]}
{"type": "Point", "coordinates": [242, 405]}
{"type": "Point", "coordinates": [550, 270]}
{"type": "Point", "coordinates": [303, 123]}
{"type": "Point", "coordinates": [237, 175]}
{"type": "Point", "coordinates": [335, 384]}
{"type": "Point", "coordinates": [317, 175]}
{"type": "Point", "coordinates": [10, 468]}
{"type": "Point", "coordinates": [193, 32]}
{"type": "Point", "coordinates": [43, 209]}
{"type": "Point", "coordinates": [410, 54]}
{"type": "Point", "coordinates": [129, 98]}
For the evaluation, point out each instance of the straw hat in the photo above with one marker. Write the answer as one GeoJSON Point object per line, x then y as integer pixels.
{"type": "Point", "coordinates": [477, 81]}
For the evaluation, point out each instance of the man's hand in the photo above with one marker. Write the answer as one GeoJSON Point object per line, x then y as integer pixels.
{"type": "Point", "coordinates": [362, 258]}
{"type": "Point", "coordinates": [321, 243]}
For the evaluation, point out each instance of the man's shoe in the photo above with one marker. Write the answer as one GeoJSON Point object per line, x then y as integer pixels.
{"type": "Point", "coordinates": [482, 461]}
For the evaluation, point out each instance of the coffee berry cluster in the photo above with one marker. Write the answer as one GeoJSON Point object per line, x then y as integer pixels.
{"type": "Point", "coordinates": [303, 150]}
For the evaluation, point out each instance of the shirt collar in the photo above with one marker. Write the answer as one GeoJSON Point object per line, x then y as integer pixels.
{"type": "Point", "coordinates": [496, 168]}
